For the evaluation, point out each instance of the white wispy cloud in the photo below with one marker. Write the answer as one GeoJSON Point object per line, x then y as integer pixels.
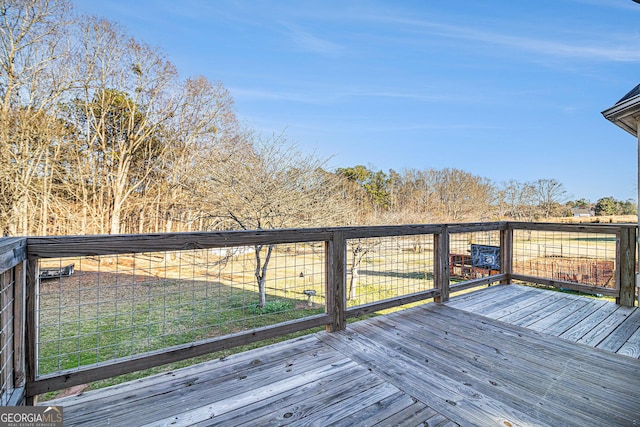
{"type": "Point", "coordinates": [312, 43]}
{"type": "Point", "coordinates": [586, 46]}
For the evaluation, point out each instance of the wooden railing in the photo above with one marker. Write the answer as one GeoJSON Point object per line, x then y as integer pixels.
{"type": "Point", "coordinates": [594, 258]}
{"type": "Point", "coordinates": [12, 321]}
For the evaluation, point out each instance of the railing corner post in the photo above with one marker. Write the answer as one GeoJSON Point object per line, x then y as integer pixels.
{"type": "Point", "coordinates": [627, 266]}
{"type": "Point", "coordinates": [506, 254]}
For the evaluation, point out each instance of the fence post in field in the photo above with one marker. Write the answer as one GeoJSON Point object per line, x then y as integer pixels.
{"type": "Point", "coordinates": [626, 256]}
{"type": "Point", "coordinates": [506, 253]}
{"type": "Point", "coordinates": [336, 281]}
{"type": "Point", "coordinates": [441, 264]}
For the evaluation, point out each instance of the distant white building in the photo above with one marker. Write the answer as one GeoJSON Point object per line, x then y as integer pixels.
{"type": "Point", "coordinates": [582, 212]}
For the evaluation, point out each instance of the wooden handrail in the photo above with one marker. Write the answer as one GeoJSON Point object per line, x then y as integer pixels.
{"type": "Point", "coordinates": [22, 254]}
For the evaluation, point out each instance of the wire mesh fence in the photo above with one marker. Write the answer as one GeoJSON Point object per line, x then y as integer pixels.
{"type": "Point", "coordinates": [380, 268]}
{"type": "Point", "coordinates": [473, 255]}
{"type": "Point", "coordinates": [98, 308]}
{"type": "Point", "coordinates": [132, 309]}
{"type": "Point", "coordinates": [584, 258]}
{"type": "Point", "coordinates": [7, 354]}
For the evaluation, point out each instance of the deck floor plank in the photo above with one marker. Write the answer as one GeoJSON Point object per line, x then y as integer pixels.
{"type": "Point", "coordinates": [590, 322]}
{"type": "Point", "coordinates": [533, 368]}
{"type": "Point", "coordinates": [480, 298]}
{"type": "Point", "coordinates": [558, 316]}
{"type": "Point", "coordinates": [543, 312]}
{"type": "Point", "coordinates": [539, 308]}
{"type": "Point", "coordinates": [416, 414]}
{"type": "Point", "coordinates": [605, 328]}
{"type": "Point", "coordinates": [224, 369]}
{"type": "Point", "coordinates": [632, 347]}
{"type": "Point", "coordinates": [434, 364]}
{"type": "Point", "coordinates": [162, 402]}
{"type": "Point", "coordinates": [509, 305]}
{"type": "Point", "coordinates": [244, 411]}
{"type": "Point", "coordinates": [561, 326]}
{"type": "Point", "coordinates": [514, 384]}
{"type": "Point", "coordinates": [521, 298]}
{"type": "Point", "coordinates": [448, 396]}
{"type": "Point", "coordinates": [622, 333]}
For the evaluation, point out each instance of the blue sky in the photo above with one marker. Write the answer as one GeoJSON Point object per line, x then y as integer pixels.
{"type": "Point", "coordinates": [504, 89]}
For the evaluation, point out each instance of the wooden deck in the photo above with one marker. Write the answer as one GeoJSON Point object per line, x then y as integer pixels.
{"type": "Point", "coordinates": [435, 365]}
{"type": "Point", "coordinates": [594, 322]}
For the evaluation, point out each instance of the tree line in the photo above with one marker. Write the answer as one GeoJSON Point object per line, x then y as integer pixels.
{"type": "Point", "coordinates": [100, 134]}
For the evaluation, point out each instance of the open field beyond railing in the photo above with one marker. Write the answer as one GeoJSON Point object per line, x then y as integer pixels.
{"type": "Point", "coordinates": [84, 308]}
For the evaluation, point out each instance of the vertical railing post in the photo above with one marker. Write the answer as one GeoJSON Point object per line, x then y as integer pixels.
{"type": "Point", "coordinates": [441, 264]}
{"type": "Point", "coordinates": [7, 285]}
{"type": "Point", "coordinates": [19, 324]}
{"type": "Point", "coordinates": [31, 328]}
{"type": "Point", "coordinates": [626, 262]}
{"type": "Point", "coordinates": [336, 281]}
{"type": "Point", "coordinates": [506, 254]}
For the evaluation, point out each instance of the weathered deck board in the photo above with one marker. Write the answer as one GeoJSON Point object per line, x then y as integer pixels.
{"type": "Point", "coordinates": [537, 308]}
{"type": "Point", "coordinates": [574, 318]}
{"type": "Point", "coordinates": [487, 371]}
{"type": "Point", "coordinates": [479, 376]}
{"type": "Point", "coordinates": [593, 322]}
{"type": "Point", "coordinates": [432, 364]}
{"type": "Point", "coordinates": [632, 346]}
{"type": "Point", "coordinates": [489, 297]}
{"type": "Point", "coordinates": [622, 333]}
{"type": "Point", "coordinates": [431, 386]}
{"type": "Point", "coordinates": [606, 327]}
{"type": "Point", "coordinates": [590, 322]}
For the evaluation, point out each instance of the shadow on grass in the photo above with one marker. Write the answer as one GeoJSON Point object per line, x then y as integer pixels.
{"type": "Point", "coordinates": [417, 275]}
{"type": "Point", "coordinates": [607, 239]}
{"type": "Point", "coordinates": [93, 317]}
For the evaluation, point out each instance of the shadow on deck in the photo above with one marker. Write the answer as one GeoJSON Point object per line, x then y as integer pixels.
{"type": "Point", "coordinates": [496, 357]}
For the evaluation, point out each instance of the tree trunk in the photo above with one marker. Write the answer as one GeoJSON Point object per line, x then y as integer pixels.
{"type": "Point", "coordinates": [261, 273]}
{"type": "Point", "coordinates": [353, 283]}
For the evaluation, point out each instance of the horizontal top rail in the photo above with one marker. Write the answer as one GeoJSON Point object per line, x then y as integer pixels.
{"type": "Point", "coordinates": [578, 228]}
{"type": "Point", "coordinates": [93, 245]}
{"type": "Point", "coordinates": [67, 246]}
{"type": "Point", "coordinates": [13, 250]}
{"type": "Point", "coordinates": [477, 226]}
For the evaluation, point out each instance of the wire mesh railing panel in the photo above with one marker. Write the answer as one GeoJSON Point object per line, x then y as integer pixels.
{"type": "Point", "coordinates": [380, 268]}
{"type": "Point", "coordinates": [7, 356]}
{"type": "Point", "coordinates": [98, 308]}
{"type": "Point", "coordinates": [473, 255]}
{"type": "Point", "coordinates": [582, 258]}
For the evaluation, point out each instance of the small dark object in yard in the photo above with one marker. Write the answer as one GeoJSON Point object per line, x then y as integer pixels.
{"type": "Point", "coordinates": [302, 274]}
{"type": "Point", "coordinates": [309, 293]}
{"type": "Point", "coordinates": [56, 272]}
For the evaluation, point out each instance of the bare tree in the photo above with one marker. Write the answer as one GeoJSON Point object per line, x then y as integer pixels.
{"type": "Point", "coordinates": [462, 195]}
{"type": "Point", "coordinates": [518, 199]}
{"type": "Point", "coordinates": [359, 248]}
{"type": "Point", "coordinates": [120, 112]}
{"type": "Point", "coordinates": [548, 193]}
{"type": "Point", "coordinates": [32, 81]}
{"type": "Point", "coordinates": [268, 185]}
{"type": "Point", "coordinates": [204, 121]}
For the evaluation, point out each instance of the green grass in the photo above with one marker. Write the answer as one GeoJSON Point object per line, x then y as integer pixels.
{"type": "Point", "coordinates": [74, 334]}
